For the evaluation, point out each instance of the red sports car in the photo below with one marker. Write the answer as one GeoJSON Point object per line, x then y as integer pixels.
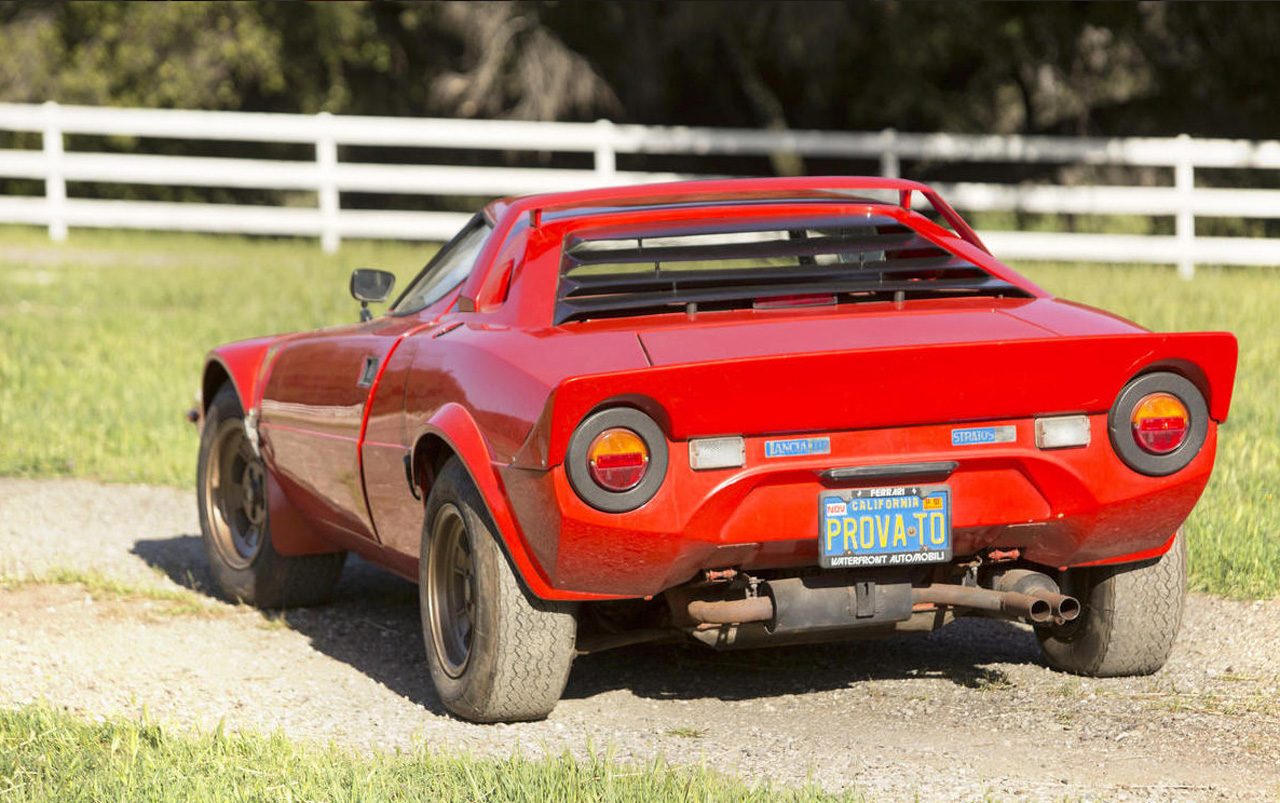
{"type": "Point", "coordinates": [741, 412]}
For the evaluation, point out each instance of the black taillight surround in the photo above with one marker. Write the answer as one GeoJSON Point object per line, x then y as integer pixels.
{"type": "Point", "coordinates": [1121, 431]}
{"type": "Point", "coordinates": [579, 473]}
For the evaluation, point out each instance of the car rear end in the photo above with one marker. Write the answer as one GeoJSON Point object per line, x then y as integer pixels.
{"type": "Point", "coordinates": [852, 420]}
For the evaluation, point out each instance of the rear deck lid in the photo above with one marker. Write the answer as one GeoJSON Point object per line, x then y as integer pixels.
{"type": "Point", "coordinates": [875, 326]}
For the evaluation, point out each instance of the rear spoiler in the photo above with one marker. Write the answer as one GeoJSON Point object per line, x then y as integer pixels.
{"type": "Point", "coordinates": [737, 189]}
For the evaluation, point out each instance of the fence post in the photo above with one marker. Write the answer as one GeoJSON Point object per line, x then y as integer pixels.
{"type": "Point", "coordinates": [55, 184]}
{"type": "Point", "coordinates": [889, 167]}
{"type": "Point", "coordinates": [1184, 180]}
{"type": "Point", "coordinates": [327, 189]}
{"type": "Point", "coordinates": [606, 160]}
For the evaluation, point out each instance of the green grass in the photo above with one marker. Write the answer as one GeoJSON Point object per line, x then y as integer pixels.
{"type": "Point", "coordinates": [49, 755]}
{"type": "Point", "coordinates": [101, 341]}
{"type": "Point", "coordinates": [1234, 533]}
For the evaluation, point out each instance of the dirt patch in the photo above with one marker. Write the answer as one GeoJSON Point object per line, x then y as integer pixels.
{"type": "Point", "coordinates": [959, 714]}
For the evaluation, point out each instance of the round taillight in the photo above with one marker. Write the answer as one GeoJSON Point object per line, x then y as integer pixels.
{"type": "Point", "coordinates": [618, 459]}
{"type": "Point", "coordinates": [1160, 423]}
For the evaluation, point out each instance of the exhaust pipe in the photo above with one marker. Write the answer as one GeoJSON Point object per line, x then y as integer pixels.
{"type": "Point", "coordinates": [1009, 603]}
{"type": "Point", "coordinates": [1037, 584]}
{"type": "Point", "coordinates": [1017, 593]}
{"type": "Point", "coordinates": [731, 611]}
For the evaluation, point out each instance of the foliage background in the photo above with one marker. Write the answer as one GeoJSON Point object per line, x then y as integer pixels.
{"type": "Point", "coordinates": [1072, 68]}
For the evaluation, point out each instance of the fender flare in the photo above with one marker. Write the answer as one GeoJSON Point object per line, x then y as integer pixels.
{"type": "Point", "coordinates": [453, 424]}
{"type": "Point", "coordinates": [242, 363]}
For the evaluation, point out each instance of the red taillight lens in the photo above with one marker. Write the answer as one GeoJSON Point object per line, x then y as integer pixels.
{"type": "Point", "coordinates": [1160, 423]}
{"type": "Point", "coordinates": [618, 459]}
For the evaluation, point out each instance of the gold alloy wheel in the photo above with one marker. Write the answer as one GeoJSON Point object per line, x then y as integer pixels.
{"type": "Point", "coordinates": [235, 495]}
{"type": "Point", "coordinates": [451, 590]}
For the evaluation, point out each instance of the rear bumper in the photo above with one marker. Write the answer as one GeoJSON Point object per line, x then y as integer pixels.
{"type": "Point", "coordinates": [1062, 508]}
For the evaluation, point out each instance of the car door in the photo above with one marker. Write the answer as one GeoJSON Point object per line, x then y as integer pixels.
{"type": "Point", "coordinates": [312, 414]}
{"type": "Point", "coordinates": [396, 514]}
{"type": "Point", "coordinates": [323, 385]}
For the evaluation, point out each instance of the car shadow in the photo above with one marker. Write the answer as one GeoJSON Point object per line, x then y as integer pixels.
{"type": "Point", "coordinates": [965, 652]}
{"type": "Point", "coordinates": [180, 558]}
{"type": "Point", "coordinates": [372, 625]}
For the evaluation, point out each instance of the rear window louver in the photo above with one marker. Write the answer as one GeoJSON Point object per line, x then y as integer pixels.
{"type": "Point", "coordinates": [872, 259]}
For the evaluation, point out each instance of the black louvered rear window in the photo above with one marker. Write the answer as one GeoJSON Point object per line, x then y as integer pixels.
{"type": "Point", "coordinates": [806, 262]}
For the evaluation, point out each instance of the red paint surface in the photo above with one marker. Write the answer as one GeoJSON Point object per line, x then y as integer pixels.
{"type": "Point", "coordinates": [504, 389]}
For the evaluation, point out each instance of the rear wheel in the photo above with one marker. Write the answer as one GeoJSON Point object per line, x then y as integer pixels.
{"type": "Point", "coordinates": [1130, 617]}
{"type": "Point", "coordinates": [495, 652]}
{"type": "Point", "coordinates": [235, 524]}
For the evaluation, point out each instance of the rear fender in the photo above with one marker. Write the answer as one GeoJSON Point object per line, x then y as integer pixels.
{"type": "Point", "coordinates": [1132, 557]}
{"type": "Point", "coordinates": [453, 424]}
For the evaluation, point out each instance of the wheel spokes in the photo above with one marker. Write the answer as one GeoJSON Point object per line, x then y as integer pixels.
{"type": "Point", "coordinates": [451, 590]}
{"type": "Point", "coordinates": [235, 494]}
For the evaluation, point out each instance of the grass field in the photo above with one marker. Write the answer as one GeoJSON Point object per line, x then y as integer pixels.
{"type": "Point", "coordinates": [48, 755]}
{"type": "Point", "coordinates": [101, 342]}
{"type": "Point", "coordinates": [1234, 533]}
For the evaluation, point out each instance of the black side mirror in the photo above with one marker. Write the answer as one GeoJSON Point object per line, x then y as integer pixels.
{"type": "Point", "coordinates": [370, 284]}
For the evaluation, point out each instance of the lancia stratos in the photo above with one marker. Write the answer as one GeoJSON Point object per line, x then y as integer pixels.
{"type": "Point", "coordinates": [737, 413]}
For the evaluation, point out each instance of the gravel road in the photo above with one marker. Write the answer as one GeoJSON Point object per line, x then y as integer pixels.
{"type": "Point", "coordinates": [964, 713]}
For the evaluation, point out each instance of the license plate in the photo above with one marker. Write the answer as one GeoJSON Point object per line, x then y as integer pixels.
{"type": "Point", "coordinates": [898, 526]}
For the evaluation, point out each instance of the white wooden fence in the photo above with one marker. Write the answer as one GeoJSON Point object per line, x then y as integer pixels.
{"type": "Point", "coordinates": [328, 177]}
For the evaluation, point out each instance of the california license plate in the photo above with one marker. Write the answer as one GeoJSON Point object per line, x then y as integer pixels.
{"type": "Point", "coordinates": [897, 526]}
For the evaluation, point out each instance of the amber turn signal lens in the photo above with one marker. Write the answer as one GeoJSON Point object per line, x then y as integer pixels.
{"type": "Point", "coordinates": [618, 459]}
{"type": "Point", "coordinates": [1160, 423]}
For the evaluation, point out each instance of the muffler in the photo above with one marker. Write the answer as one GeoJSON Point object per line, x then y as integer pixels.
{"type": "Point", "coordinates": [832, 602]}
{"type": "Point", "coordinates": [810, 604]}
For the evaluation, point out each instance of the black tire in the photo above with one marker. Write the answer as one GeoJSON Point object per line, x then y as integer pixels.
{"type": "Point", "coordinates": [1129, 619]}
{"type": "Point", "coordinates": [496, 653]}
{"type": "Point", "coordinates": [235, 525]}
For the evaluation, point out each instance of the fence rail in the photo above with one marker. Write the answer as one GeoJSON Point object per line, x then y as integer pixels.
{"type": "Point", "coordinates": [329, 177]}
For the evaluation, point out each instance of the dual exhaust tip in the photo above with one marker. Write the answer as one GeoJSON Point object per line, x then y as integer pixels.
{"type": "Point", "coordinates": [1062, 608]}
{"type": "Point", "coordinates": [1042, 589]}
{"type": "Point", "coordinates": [1038, 605]}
